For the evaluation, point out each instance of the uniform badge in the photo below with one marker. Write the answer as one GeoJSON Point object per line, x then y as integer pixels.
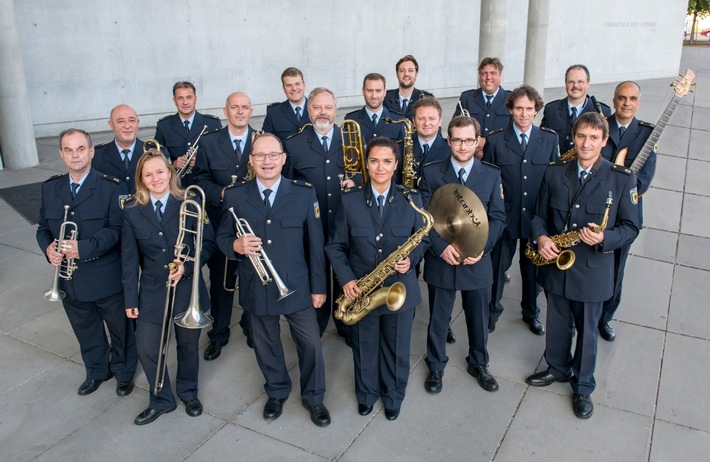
{"type": "Point", "coordinates": [634, 196]}
{"type": "Point", "coordinates": [122, 198]}
{"type": "Point", "coordinates": [316, 209]}
{"type": "Point", "coordinates": [502, 196]}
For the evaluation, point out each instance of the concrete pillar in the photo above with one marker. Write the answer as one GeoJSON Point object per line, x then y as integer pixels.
{"type": "Point", "coordinates": [536, 44]}
{"type": "Point", "coordinates": [494, 19]}
{"type": "Point", "coordinates": [17, 137]}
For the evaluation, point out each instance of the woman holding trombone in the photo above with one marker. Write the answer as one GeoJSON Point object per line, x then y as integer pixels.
{"type": "Point", "coordinates": [154, 222]}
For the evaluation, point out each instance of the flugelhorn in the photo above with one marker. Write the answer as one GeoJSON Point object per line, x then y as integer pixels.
{"type": "Point", "coordinates": [261, 263]}
{"type": "Point", "coordinates": [66, 268]}
{"type": "Point", "coordinates": [353, 153]}
{"type": "Point", "coordinates": [191, 153]}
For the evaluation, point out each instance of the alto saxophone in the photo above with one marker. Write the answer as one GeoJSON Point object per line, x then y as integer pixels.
{"type": "Point", "coordinates": [565, 259]}
{"type": "Point", "coordinates": [352, 311]}
{"type": "Point", "coordinates": [409, 165]}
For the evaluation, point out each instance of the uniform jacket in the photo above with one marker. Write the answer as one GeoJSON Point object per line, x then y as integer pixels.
{"type": "Point", "coordinates": [362, 239]}
{"type": "Point", "coordinates": [281, 119]}
{"type": "Point", "coordinates": [591, 278]}
{"type": "Point", "coordinates": [97, 213]}
{"type": "Point", "coordinates": [107, 159]}
{"type": "Point", "coordinates": [484, 180]}
{"type": "Point", "coordinates": [291, 236]}
{"type": "Point", "coordinates": [521, 173]}
{"type": "Point", "coordinates": [495, 118]}
{"type": "Point", "coordinates": [148, 245]}
{"type": "Point", "coordinates": [393, 104]}
{"type": "Point", "coordinates": [556, 117]}
{"type": "Point", "coordinates": [369, 131]}
{"type": "Point", "coordinates": [439, 150]}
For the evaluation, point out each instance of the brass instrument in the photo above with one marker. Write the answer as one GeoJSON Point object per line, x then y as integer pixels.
{"type": "Point", "coordinates": [191, 153]}
{"type": "Point", "coordinates": [66, 268]}
{"type": "Point", "coordinates": [193, 317]}
{"type": "Point", "coordinates": [261, 263]}
{"type": "Point", "coordinates": [148, 143]}
{"type": "Point", "coordinates": [409, 165]}
{"type": "Point", "coordinates": [464, 112]}
{"type": "Point", "coordinates": [226, 259]}
{"type": "Point", "coordinates": [372, 295]}
{"type": "Point", "coordinates": [566, 258]}
{"type": "Point", "coordinates": [353, 153]}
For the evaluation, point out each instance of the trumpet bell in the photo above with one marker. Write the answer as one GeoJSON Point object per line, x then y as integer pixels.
{"type": "Point", "coordinates": [54, 295]}
{"type": "Point", "coordinates": [193, 318]}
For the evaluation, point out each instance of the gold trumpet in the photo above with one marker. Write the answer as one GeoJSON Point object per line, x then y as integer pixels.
{"type": "Point", "coordinates": [353, 153]}
{"type": "Point", "coordinates": [66, 268]}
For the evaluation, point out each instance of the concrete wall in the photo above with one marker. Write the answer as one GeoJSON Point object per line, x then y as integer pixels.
{"type": "Point", "coordinates": [82, 58]}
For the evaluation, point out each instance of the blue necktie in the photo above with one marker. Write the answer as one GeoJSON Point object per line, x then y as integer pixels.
{"type": "Point", "coordinates": [187, 125]}
{"type": "Point", "coordinates": [74, 187]}
{"type": "Point", "coordinates": [238, 149]}
{"type": "Point", "coordinates": [523, 142]}
{"type": "Point", "coordinates": [573, 115]}
{"type": "Point", "coordinates": [267, 202]}
{"type": "Point", "coordinates": [462, 172]}
{"type": "Point", "coordinates": [622, 130]}
{"type": "Point", "coordinates": [126, 160]}
{"type": "Point", "coordinates": [489, 99]}
{"type": "Point", "coordinates": [381, 204]}
{"type": "Point", "coordinates": [298, 114]}
{"type": "Point", "coordinates": [374, 119]}
{"type": "Point", "coordinates": [159, 211]}
{"type": "Point", "coordinates": [325, 144]}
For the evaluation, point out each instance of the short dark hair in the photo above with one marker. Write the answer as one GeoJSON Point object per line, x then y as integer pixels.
{"type": "Point", "coordinates": [407, 58]}
{"type": "Point", "coordinates": [374, 76]}
{"type": "Point", "coordinates": [184, 84]}
{"type": "Point", "coordinates": [382, 142]}
{"type": "Point", "coordinates": [464, 121]}
{"type": "Point", "coordinates": [427, 101]}
{"type": "Point", "coordinates": [577, 66]}
{"type": "Point", "coordinates": [71, 131]}
{"type": "Point", "coordinates": [592, 120]}
{"type": "Point", "coordinates": [292, 72]}
{"type": "Point", "coordinates": [491, 61]}
{"type": "Point", "coordinates": [524, 90]}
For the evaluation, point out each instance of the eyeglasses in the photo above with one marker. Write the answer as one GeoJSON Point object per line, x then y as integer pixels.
{"type": "Point", "coordinates": [261, 156]}
{"type": "Point", "coordinates": [459, 141]}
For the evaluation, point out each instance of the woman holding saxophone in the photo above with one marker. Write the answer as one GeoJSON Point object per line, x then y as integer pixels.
{"type": "Point", "coordinates": [151, 224]}
{"type": "Point", "coordinates": [372, 223]}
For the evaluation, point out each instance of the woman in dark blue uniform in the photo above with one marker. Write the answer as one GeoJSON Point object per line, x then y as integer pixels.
{"type": "Point", "coordinates": [151, 224]}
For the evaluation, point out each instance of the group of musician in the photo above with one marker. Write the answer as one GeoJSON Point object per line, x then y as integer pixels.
{"type": "Point", "coordinates": [286, 197]}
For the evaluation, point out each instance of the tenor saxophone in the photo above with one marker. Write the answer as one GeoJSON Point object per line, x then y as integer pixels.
{"type": "Point", "coordinates": [372, 295]}
{"type": "Point", "coordinates": [409, 165]}
{"type": "Point", "coordinates": [565, 259]}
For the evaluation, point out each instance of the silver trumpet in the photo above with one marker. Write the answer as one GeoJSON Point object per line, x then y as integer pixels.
{"type": "Point", "coordinates": [464, 112]}
{"type": "Point", "coordinates": [261, 263]}
{"type": "Point", "coordinates": [191, 153]}
{"type": "Point", "coordinates": [193, 317]}
{"type": "Point", "coordinates": [66, 268]}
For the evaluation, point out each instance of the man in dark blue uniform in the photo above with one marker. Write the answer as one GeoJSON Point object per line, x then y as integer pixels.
{"type": "Point", "coordinates": [178, 132]}
{"type": "Point", "coordinates": [626, 132]}
{"type": "Point", "coordinates": [371, 117]}
{"type": "Point", "coordinates": [316, 156]}
{"type": "Point", "coordinates": [473, 276]}
{"type": "Point", "coordinates": [522, 152]}
{"type": "Point", "coordinates": [574, 197]}
{"type": "Point", "coordinates": [429, 145]}
{"type": "Point", "coordinates": [284, 216]}
{"type": "Point", "coordinates": [373, 221]}
{"type": "Point", "coordinates": [560, 115]}
{"type": "Point", "coordinates": [120, 157]}
{"type": "Point", "coordinates": [94, 294]}
{"type": "Point", "coordinates": [401, 100]}
{"type": "Point", "coordinates": [487, 103]}
{"type": "Point", "coordinates": [288, 117]}
{"type": "Point", "coordinates": [224, 157]}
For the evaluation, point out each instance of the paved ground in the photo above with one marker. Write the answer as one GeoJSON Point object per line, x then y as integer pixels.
{"type": "Point", "coordinates": [651, 400]}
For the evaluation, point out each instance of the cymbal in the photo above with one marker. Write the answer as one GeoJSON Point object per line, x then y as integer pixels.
{"type": "Point", "coordinates": [460, 219]}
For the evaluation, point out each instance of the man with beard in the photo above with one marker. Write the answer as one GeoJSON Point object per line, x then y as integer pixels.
{"type": "Point", "coordinates": [401, 100]}
{"type": "Point", "coordinates": [288, 117]}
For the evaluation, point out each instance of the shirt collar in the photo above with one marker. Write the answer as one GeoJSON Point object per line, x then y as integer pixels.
{"type": "Point", "coordinates": [468, 167]}
{"type": "Point", "coordinates": [274, 189]}
{"type": "Point", "coordinates": [131, 150]}
{"type": "Point", "coordinates": [163, 200]}
{"type": "Point", "coordinates": [379, 113]}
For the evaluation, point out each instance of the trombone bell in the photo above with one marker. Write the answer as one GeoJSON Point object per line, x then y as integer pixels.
{"type": "Point", "coordinates": [193, 318]}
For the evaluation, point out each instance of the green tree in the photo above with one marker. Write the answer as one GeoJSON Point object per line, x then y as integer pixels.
{"type": "Point", "coordinates": [697, 9]}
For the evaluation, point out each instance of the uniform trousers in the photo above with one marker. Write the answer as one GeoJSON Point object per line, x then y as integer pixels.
{"type": "Point", "coordinates": [266, 332]}
{"type": "Point", "coordinates": [221, 300]}
{"type": "Point", "coordinates": [502, 257]}
{"type": "Point", "coordinates": [188, 362]}
{"type": "Point", "coordinates": [381, 349]}
{"type": "Point", "coordinates": [611, 305]}
{"type": "Point", "coordinates": [87, 320]}
{"type": "Point", "coordinates": [563, 316]}
{"type": "Point", "coordinates": [475, 308]}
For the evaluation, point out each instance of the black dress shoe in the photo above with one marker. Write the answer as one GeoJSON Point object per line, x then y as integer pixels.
{"type": "Point", "coordinates": [391, 414]}
{"type": "Point", "coordinates": [91, 385]}
{"type": "Point", "coordinates": [491, 325]}
{"type": "Point", "coordinates": [535, 326]}
{"type": "Point", "coordinates": [319, 414]}
{"type": "Point", "coordinates": [124, 388]}
{"type": "Point", "coordinates": [364, 409]}
{"type": "Point", "coordinates": [193, 408]}
{"type": "Point", "coordinates": [273, 408]}
{"type": "Point", "coordinates": [213, 350]}
{"type": "Point", "coordinates": [485, 378]}
{"type": "Point", "coordinates": [582, 405]}
{"type": "Point", "coordinates": [545, 378]}
{"type": "Point", "coordinates": [450, 337]}
{"type": "Point", "coordinates": [346, 337]}
{"type": "Point", "coordinates": [607, 332]}
{"type": "Point", "coordinates": [149, 415]}
{"type": "Point", "coordinates": [433, 381]}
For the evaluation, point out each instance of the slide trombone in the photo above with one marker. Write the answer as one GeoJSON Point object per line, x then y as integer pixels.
{"type": "Point", "coordinates": [66, 268]}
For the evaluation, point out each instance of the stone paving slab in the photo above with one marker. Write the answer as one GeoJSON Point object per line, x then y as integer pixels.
{"type": "Point", "coordinates": [656, 245]}
{"type": "Point", "coordinates": [698, 147]}
{"type": "Point", "coordinates": [673, 142]}
{"type": "Point", "coordinates": [661, 209]}
{"type": "Point", "coordinates": [698, 179]}
{"type": "Point", "coordinates": [645, 292]}
{"type": "Point", "coordinates": [689, 314]}
{"type": "Point", "coordinates": [696, 219]}
{"type": "Point", "coordinates": [677, 442]}
{"type": "Point", "coordinates": [693, 251]}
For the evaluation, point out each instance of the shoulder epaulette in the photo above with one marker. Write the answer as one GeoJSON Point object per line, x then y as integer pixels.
{"type": "Point", "coordinates": [620, 169]}
{"type": "Point", "coordinates": [350, 114]}
{"type": "Point", "coordinates": [54, 177]}
{"type": "Point", "coordinates": [549, 130]}
{"type": "Point", "coordinates": [490, 165]}
{"type": "Point", "coordinates": [433, 162]}
{"type": "Point", "coordinates": [492, 132]}
{"type": "Point", "coordinates": [210, 116]}
{"type": "Point", "coordinates": [302, 183]}
{"type": "Point", "coordinates": [557, 163]}
{"type": "Point", "coordinates": [272, 104]}
{"type": "Point", "coordinates": [647, 124]}
{"type": "Point", "coordinates": [603, 104]}
{"type": "Point", "coordinates": [165, 117]}
{"type": "Point", "coordinates": [354, 188]}
{"type": "Point", "coordinates": [234, 185]}
{"type": "Point", "coordinates": [110, 178]}
{"type": "Point", "coordinates": [426, 93]}
{"type": "Point", "coordinates": [553, 102]}
{"type": "Point", "coordinates": [211, 132]}
{"type": "Point", "coordinates": [98, 146]}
